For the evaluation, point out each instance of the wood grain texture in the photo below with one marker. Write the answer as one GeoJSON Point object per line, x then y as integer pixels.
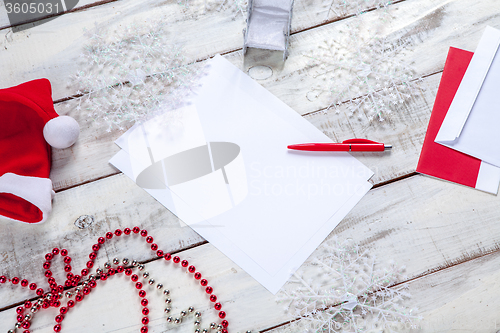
{"type": "Point", "coordinates": [426, 224]}
{"type": "Point", "coordinates": [202, 33]}
{"type": "Point", "coordinates": [459, 295]}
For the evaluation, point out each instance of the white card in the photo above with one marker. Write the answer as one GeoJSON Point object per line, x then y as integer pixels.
{"type": "Point", "coordinates": [473, 121]}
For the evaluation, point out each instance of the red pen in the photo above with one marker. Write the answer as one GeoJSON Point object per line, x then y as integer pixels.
{"type": "Point", "coordinates": [347, 145]}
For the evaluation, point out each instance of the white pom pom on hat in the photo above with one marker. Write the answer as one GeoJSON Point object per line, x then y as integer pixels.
{"type": "Point", "coordinates": [61, 132]}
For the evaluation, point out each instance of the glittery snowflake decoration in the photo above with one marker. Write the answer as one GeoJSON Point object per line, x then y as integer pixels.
{"type": "Point", "coordinates": [368, 75]}
{"type": "Point", "coordinates": [132, 75]}
{"type": "Point", "coordinates": [341, 289]}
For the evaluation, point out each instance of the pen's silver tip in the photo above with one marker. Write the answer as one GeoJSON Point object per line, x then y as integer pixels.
{"type": "Point", "coordinates": [386, 147]}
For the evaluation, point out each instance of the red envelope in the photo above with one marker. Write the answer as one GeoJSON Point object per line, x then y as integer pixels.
{"type": "Point", "coordinates": [437, 160]}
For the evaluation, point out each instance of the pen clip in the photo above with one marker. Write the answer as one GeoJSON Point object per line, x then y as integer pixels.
{"type": "Point", "coordinates": [360, 141]}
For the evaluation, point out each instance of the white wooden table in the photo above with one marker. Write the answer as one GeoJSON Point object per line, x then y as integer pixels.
{"type": "Point", "coordinates": [446, 235]}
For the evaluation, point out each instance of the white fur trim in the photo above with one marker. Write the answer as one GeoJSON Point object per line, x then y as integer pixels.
{"type": "Point", "coordinates": [37, 191]}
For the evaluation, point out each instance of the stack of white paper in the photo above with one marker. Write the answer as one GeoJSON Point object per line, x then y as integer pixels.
{"type": "Point", "coordinates": [222, 166]}
{"type": "Point", "coordinates": [472, 123]}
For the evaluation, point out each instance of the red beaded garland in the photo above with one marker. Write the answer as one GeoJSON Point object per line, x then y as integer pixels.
{"type": "Point", "coordinates": [72, 280]}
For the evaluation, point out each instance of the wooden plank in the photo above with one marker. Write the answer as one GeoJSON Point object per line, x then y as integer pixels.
{"type": "Point", "coordinates": [461, 297]}
{"type": "Point", "coordinates": [202, 33]}
{"type": "Point", "coordinates": [405, 128]}
{"type": "Point", "coordinates": [420, 222]}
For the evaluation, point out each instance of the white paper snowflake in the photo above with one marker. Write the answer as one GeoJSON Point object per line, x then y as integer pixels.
{"type": "Point", "coordinates": [131, 75]}
{"type": "Point", "coordinates": [368, 75]}
{"type": "Point", "coordinates": [342, 289]}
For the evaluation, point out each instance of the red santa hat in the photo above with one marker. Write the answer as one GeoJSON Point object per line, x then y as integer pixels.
{"type": "Point", "coordinates": [29, 126]}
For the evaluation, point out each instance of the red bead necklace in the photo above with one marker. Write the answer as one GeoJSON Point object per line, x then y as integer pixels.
{"type": "Point", "coordinates": [81, 285]}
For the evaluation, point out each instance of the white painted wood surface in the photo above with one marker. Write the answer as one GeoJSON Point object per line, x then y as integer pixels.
{"type": "Point", "coordinates": [43, 11]}
{"type": "Point", "coordinates": [446, 235]}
